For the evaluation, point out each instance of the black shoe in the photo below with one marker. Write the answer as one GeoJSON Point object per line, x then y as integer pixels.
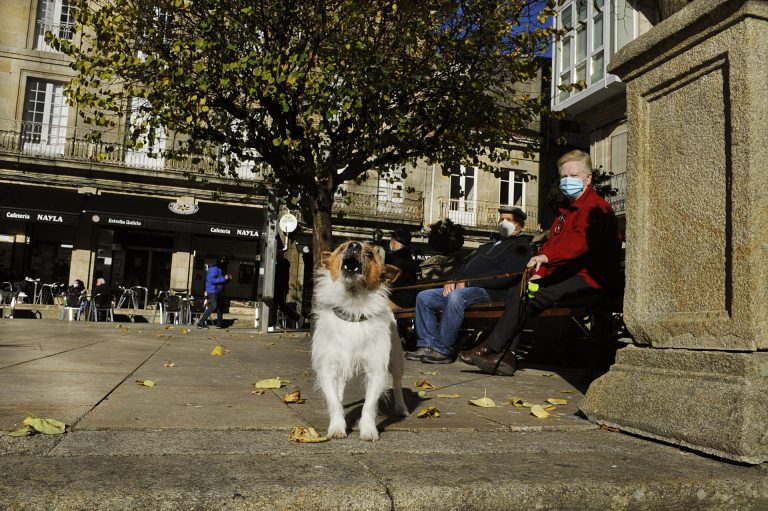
{"type": "Point", "coordinates": [496, 363]}
{"type": "Point", "coordinates": [479, 350]}
{"type": "Point", "coordinates": [435, 357]}
{"type": "Point", "coordinates": [416, 355]}
{"type": "Point", "coordinates": [199, 325]}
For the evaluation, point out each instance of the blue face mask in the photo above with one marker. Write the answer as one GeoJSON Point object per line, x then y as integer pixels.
{"type": "Point", "coordinates": [571, 186]}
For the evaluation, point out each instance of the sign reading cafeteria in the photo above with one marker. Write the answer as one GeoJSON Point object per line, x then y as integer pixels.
{"type": "Point", "coordinates": [38, 216]}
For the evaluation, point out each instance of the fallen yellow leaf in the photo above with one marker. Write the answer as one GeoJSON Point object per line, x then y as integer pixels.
{"type": "Point", "coordinates": [294, 397]}
{"type": "Point", "coordinates": [569, 391]}
{"type": "Point", "coordinates": [25, 431]}
{"type": "Point", "coordinates": [273, 383]}
{"type": "Point", "coordinates": [556, 401]}
{"type": "Point", "coordinates": [185, 331]}
{"type": "Point", "coordinates": [517, 401]}
{"type": "Point", "coordinates": [160, 334]}
{"type": "Point", "coordinates": [169, 327]}
{"type": "Point", "coordinates": [217, 351]}
{"type": "Point", "coordinates": [45, 426]}
{"type": "Point", "coordinates": [430, 412]}
{"type": "Point", "coordinates": [257, 392]}
{"type": "Point", "coordinates": [169, 364]}
{"type": "Point", "coordinates": [431, 373]}
{"type": "Point", "coordinates": [146, 383]}
{"type": "Point", "coordinates": [539, 412]}
{"type": "Point", "coordinates": [449, 396]}
{"type": "Point", "coordinates": [424, 384]}
{"type": "Point", "coordinates": [306, 436]}
{"type": "Point", "coordinates": [483, 402]}
{"type": "Point", "coordinates": [422, 393]}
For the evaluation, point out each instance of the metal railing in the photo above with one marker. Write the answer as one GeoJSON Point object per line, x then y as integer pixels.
{"type": "Point", "coordinates": [480, 214]}
{"type": "Point", "coordinates": [60, 30]}
{"type": "Point", "coordinates": [618, 202]}
{"type": "Point", "coordinates": [365, 202]}
{"type": "Point", "coordinates": [50, 141]}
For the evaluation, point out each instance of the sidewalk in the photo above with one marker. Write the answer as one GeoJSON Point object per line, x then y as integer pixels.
{"type": "Point", "coordinates": [200, 439]}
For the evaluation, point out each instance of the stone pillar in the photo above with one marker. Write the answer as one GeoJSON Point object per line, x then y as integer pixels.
{"type": "Point", "coordinates": [84, 252]}
{"type": "Point", "coordinates": [697, 235]}
{"type": "Point", "coordinates": [181, 262]}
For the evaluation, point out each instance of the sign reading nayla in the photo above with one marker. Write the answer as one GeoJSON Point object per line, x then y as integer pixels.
{"type": "Point", "coordinates": [183, 208]}
{"type": "Point", "coordinates": [40, 217]}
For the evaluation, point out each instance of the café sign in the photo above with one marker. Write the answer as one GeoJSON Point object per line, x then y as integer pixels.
{"type": "Point", "coordinates": [38, 216]}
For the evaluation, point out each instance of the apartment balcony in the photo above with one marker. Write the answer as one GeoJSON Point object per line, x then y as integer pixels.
{"type": "Point", "coordinates": [43, 141]}
{"type": "Point", "coordinates": [371, 203]}
{"type": "Point", "coordinates": [480, 215]}
{"type": "Point", "coordinates": [619, 184]}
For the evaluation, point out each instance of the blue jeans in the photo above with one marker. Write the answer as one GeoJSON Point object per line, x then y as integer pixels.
{"type": "Point", "coordinates": [441, 337]}
{"type": "Point", "coordinates": [214, 304]}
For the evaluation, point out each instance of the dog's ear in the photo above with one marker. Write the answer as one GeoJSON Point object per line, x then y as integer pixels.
{"type": "Point", "coordinates": [390, 273]}
{"type": "Point", "coordinates": [325, 259]}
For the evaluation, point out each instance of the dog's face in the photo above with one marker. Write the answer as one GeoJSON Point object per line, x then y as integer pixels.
{"type": "Point", "coordinates": [358, 266]}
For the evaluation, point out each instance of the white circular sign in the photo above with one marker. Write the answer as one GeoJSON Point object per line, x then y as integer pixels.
{"type": "Point", "coordinates": [288, 223]}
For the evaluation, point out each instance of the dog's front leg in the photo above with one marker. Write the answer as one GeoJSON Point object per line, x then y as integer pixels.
{"type": "Point", "coordinates": [374, 387]}
{"type": "Point", "coordinates": [333, 390]}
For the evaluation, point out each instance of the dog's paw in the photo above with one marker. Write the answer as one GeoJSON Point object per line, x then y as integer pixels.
{"type": "Point", "coordinates": [337, 431]}
{"type": "Point", "coordinates": [369, 435]}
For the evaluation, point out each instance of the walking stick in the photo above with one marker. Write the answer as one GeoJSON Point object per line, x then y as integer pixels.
{"type": "Point", "coordinates": [521, 315]}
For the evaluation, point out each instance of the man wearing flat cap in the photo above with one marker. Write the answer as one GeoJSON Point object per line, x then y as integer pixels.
{"type": "Point", "coordinates": [399, 254]}
{"type": "Point", "coordinates": [474, 282]}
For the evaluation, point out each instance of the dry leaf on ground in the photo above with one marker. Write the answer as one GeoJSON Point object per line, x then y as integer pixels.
{"type": "Point", "coordinates": [422, 393]}
{"type": "Point", "coordinates": [517, 401]}
{"type": "Point", "coordinates": [431, 373]}
{"type": "Point", "coordinates": [449, 396]}
{"type": "Point", "coordinates": [556, 401]}
{"type": "Point", "coordinates": [218, 351]}
{"type": "Point", "coordinates": [185, 331]}
{"type": "Point", "coordinates": [483, 402]}
{"type": "Point", "coordinates": [569, 391]}
{"type": "Point", "coordinates": [257, 392]}
{"type": "Point", "coordinates": [45, 426]}
{"type": "Point", "coordinates": [272, 383]}
{"type": "Point", "coordinates": [25, 431]}
{"type": "Point", "coordinates": [430, 412]}
{"type": "Point", "coordinates": [306, 436]}
{"type": "Point", "coordinates": [424, 384]}
{"type": "Point", "coordinates": [539, 412]}
{"type": "Point", "coordinates": [146, 383]}
{"type": "Point", "coordinates": [294, 398]}
{"type": "Point", "coordinates": [169, 364]}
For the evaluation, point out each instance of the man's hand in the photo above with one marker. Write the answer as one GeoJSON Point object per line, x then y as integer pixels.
{"type": "Point", "coordinates": [451, 286]}
{"type": "Point", "coordinates": [537, 261]}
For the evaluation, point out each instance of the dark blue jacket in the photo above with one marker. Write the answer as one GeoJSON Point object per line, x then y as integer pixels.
{"type": "Point", "coordinates": [214, 280]}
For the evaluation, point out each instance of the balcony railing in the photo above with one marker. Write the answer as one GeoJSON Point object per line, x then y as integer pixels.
{"type": "Point", "coordinates": [480, 215]}
{"type": "Point", "coordinates": [365, 202]}
{"type": "Point", "coordinates": [48, 141]}
{"type": "Point", "coordinates": [619, 183]}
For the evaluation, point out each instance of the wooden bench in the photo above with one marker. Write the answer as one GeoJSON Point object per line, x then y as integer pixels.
{"type": "Point", "coordinates": [581, 311]}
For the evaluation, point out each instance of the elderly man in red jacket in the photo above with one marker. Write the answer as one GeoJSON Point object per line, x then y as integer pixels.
{"type": "Point", "coordinates": [581, 256]}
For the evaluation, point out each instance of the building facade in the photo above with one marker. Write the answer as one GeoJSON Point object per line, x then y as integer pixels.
{"type": "Point", "coordinates": [71, 208]}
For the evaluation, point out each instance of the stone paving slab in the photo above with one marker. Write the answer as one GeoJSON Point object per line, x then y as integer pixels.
{"type": "Point", "coordinates": [200, 439]}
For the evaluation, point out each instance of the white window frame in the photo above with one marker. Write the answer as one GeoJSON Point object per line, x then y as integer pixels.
{"type": "Point", "coordinates": [391, 190]}
{"type": "Point", "coordinates": [463, 210]}
{"type": "Point", "coordinates": [49, 18]}
{"type": "Point", "coordinates": [46, 113]}
{"type": "Point", "coordinates": [516, 179]}
{"type": "Point", "coordinates": [150, 153]}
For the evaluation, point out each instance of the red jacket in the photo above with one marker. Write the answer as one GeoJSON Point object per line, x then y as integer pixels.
{"type": "Point", "coordinates": [585, 240]}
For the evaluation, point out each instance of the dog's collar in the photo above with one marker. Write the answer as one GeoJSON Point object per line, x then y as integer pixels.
{"type": "Point", "coordinates": [342, 314]}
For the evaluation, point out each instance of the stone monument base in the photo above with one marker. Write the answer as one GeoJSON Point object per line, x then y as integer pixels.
{"type": "Point", "coordinates": [711, 401]}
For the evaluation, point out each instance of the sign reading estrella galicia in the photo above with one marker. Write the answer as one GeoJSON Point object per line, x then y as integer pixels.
{"type": "Point", "coordinates": [182, 208]}
{"type": "Point", "coordinates": [178, 226]}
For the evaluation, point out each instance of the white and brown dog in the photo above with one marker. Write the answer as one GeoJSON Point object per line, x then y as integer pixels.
{"type": "Point", "coordinates": [355, 331]}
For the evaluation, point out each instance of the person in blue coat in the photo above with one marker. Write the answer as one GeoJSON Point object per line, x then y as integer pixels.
{"type": "Point", "coordinates": [215, 280]}
{"type": "Point", "coordinates": [471, 284]}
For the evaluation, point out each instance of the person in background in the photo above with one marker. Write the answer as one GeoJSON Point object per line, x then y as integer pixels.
{"type": "Point", "coordinates": [581, 256]}
{"type": "Point", "coordinates": [399, 255]}
{"type": "Point", "coordinates": [474, 282]}
{"type": "Point", "coordinates": [215, 280]}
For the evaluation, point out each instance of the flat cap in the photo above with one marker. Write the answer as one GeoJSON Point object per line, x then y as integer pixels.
{"type": "Point", "coordinates": [519, 213]}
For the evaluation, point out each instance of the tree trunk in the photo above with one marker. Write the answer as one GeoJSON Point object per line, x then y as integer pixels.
{"type": "Point", "coordinates": [321, 207]}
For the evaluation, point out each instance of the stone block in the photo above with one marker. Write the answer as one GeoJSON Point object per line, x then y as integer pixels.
{"type": "Point", "coordinates": [710, 401]}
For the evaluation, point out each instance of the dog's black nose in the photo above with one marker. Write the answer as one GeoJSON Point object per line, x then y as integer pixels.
{"type": "Point", "coordinates": [355, 246]}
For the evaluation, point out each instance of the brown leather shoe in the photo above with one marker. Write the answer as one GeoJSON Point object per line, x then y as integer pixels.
{"type": "Point", "coordinates": [490, 363]}
{"type": "Point", "coordinates": [479, 350]}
